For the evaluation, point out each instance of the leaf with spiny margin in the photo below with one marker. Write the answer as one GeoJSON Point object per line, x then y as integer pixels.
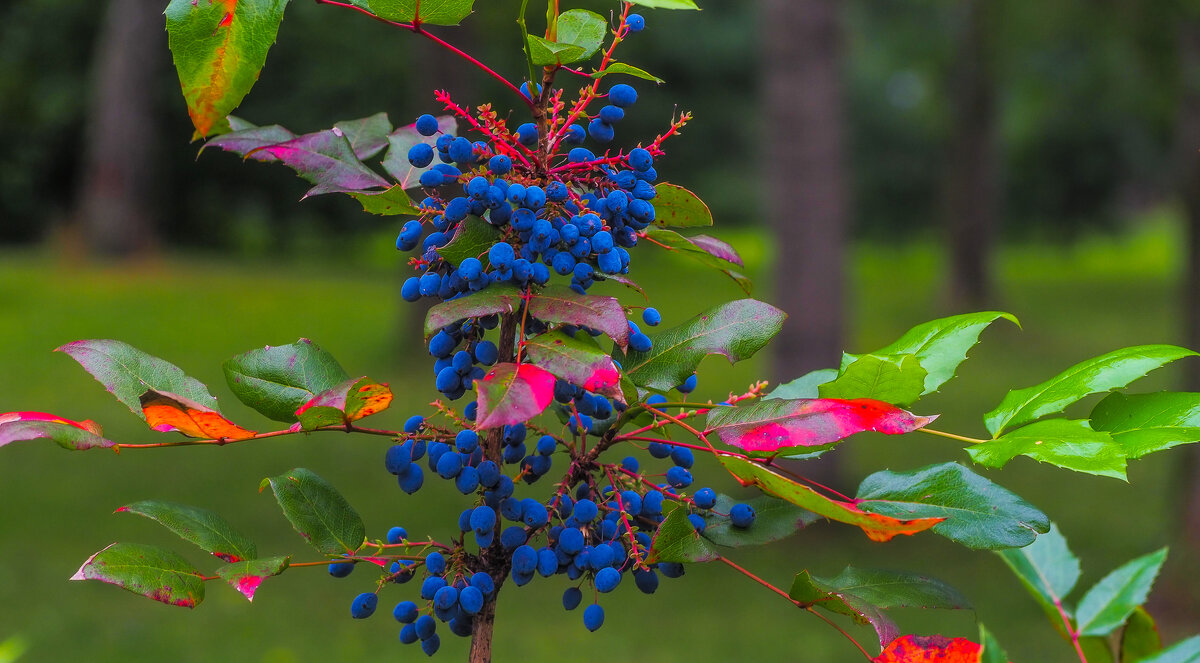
{"type": "Point", "coordinates": [677, 541]}
{"type": "Point", "coordinates": [386, 203]}
{"type": "Point", "coordinates": [325, 159]}
{"type": "Point", "coordinates": [940, 345]}
{"type": "Point", "coordinates": [578, 36]}
{"type": "Point", "coordinates": [167, 413]}
{"type": "Point", "coordinates": [629, 70]}
{"type": "Point", "coordinates": [72, 435]}
{"type": "Point", "coordinates": [501, 298]}
{"type": "Point", "coordinates": [367, 135]}
{"type": "Point", "coordinates": [1184, 651]}
{"type": "Point", "coordinates": [1067, 443]}
{"type": "Point", "coordinates": [1140, 637]}
{"type": "Point", "coordinates": [202, 527]}
{"type": "Point", "coordinates": [623, 280]}
{"type": "Point", "coordinates": [975, 512]}
{"type": "Point", "coordinates": [317, 511]}
{"type": "Point", "coordinates": [349, 401]}
{"type": "Point", "coordinates": [127, 373]}
{"type": "Point", "coordinates": [1111, 601]}
{"type": "Point", "coordinates": [676, 207]}
{"type": "Point", "coordinates": [774, 519]}
{"type": "Point", "coordinates": [277, 380]}
{"type": "Point", "coordinates": [666, 4]}
{"type": "Point", "coordinates": [768, 426]}
{"type": "Point", "coordinates": [736, 330]}
{"type": "Point", "coordinates": [1109, 371]}
{"type": "Point", "coordinates": [992, 652]}
{"type": "Point", "coordinates": [578, 361]}
{"type": "Point", "coordinates": [247, 576]}
{"type": "Point", "coordinates": [930, 649]}
{"type": "Point", "coordinates": [805, 386]}
{"type": "Point", "coordinates": [805, 590]}
{"type": "Point", "coordinates": [400, 141]}
{"type": "Point", "coordinates": [219, 47]}
{"type": "Point", "coordinates": [511, 394]}
{"type": "Point", "coordinates": [896, 379]}
{"type": "Point", "coordinates": [471, 239]}
{"type": "Point", "coordinates": [558, 303]}
{"type": "Point", "coordinates": [434, 12]}
{"type": "Point", "coordinates": [1047, 568]}
{"type": "Point", "coordinates": [1142, 424]}
{"type": "Point", "coordinates": [707, 253]}
{"type": "Point", "coordinates": [153, 572]}
{"type": "Point", "coordinates": [247, 141]}
{"type": "Point", "coordinates": [877, 527]}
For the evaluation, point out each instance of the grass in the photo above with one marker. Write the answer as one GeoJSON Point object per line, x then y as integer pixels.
{"type": "Point", "coordinates": [55, 507]}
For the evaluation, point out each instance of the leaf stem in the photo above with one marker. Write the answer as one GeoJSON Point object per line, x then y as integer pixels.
{"type": "Point", "coordinates": [952, 436]}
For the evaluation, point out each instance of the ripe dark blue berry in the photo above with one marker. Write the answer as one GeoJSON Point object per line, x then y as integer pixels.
{"type": "Point", "coordinates": [652, 317]}
{"type": "Point", "coordinates": [607, 580]}
{"type": "Point", "coordinates": [622, 95]}
{"type": "Point", "coordinates": [427, 125]}
{"type": "Point", "coordinates": [341, 569]}
{"type": "Point", "coordinates": [396, 535]}
{"type": "Point", "coordinates": [435, 562]}
{"type": "Point", "coordinates": [471, 600]}
{"type": "Point", "coordinates": [405, 612]}
{"type": "Point", "coordinates": [593, 617]}
{"type": "Point", "coordinates": [742, 515]}
{"type": "Point", "coordinates": [705, 498]}
{"type": "Point", "coordinates": [571, 598]}
{"type": "Point", "coordinates": [364, 605]}
{"type": "Point", "coordinates": [635, 22]}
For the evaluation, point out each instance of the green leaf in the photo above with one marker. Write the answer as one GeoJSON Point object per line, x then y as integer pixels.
{"type": "Point", "coordinates": [774, 519]}
{"type": "Point", "coordinates": [349, 401]}
{"type": "Point", "coordinates": [1109, 602]}
{"type": "Point", "coordinates": [472, 239]}
{"type": "Point", "coordinates": [1139, 638]}
{"type": "Point", "coordinates": [277, 380]}
{"type": "Point", "coordinates": [676, 207]}
{"type": "Point", "coordinates": [1096, 649]}
{"type": "Point", "coordinates": [434, 12]}
{"type": "Point", "coordinates": [511, 394]}
{"type": "Point", "coordinates": [219, 47]}
{"type": "Point", "coordinates": [501, 298]}
{"type": "Point", "coordinates": [1184, 651]}
{"type": "Point", "coordinates": [577, 360]}
{"type": "Point", "coordinates": [72, 435]}
{"type": "Point", "coordinates": [673, 241]}
{"type": "Point", "coordinates": [677, 541]}
{"type": "Point", "coordinates": [1099, 374]}
{"type": "Point", "coordinates": [992, 652]}
{"type": "Point", "coordinates": [127, 373]}
{"type": "Point", "coordinates": [978, 513]}
{"type": "Point", "coordinates": [400, 141]}
{"type": "Point", "coordinates": [578, 36]}
{"type": "Point", "coordinates": [805, 386]}
{"type": "Point", "coordinates": [736, 330]}
{"type": "Point", "coordinates": [318, 511]}
{"type": "Point", "coordinates": [153, 572]}
{"type": "Point", "coordinates": [386, 203]}
{"type": "Point", "coordinates": [622, 68]}
{"type": "Point", "coordinates": [199, 526]}
{"type": "Point", "coordinates": [368, 135]}
{"type": "Point", "coordinates": [247, 576]}
{"type": "Point", "coordinates": [1047, 568]}
{"type": "Point", "coordinates": [1066, 443]}
{"type": "Point", "coordinates": [1142, 424]}
{"type": "Point", "coordinates": [897, 379]}
{"type": "Point", "coordinates": [666, 4]}
{"type": "Point", "coordinates": [556, 303]}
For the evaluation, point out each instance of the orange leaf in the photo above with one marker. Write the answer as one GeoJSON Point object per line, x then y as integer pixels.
{"type": "Point", "coordinates": [166, 412]}
{"type": "Point", "coordinates": [930, 649]}
{"type": "Point", "coordinates": [349, 401]}
{"type": "Point", "coordinates": [87, 424]}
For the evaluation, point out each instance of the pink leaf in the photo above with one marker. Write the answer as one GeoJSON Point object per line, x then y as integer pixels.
{"type": "Point", "coordinates": [770, 425]}
{"type": "Point", "coordinates": [511, 394]}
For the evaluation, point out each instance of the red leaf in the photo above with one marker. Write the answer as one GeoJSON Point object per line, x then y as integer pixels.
{"type": "Point", "coordinates": [87, 424]}
{"type": "Point", "coordinates": [930, 649]}
{"type": "Point", "coordinates": [511, 394]}
{"type": "Point", "coordinates": [75, 435]}
{"type": "Point", "coordinates": [770, 425]}
{"type": "Point", "coordinates": [166, 412]}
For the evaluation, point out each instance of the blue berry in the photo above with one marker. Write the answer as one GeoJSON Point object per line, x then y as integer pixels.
{"type": "Point", "coordinates": [611, 114]}
{"type": "Point", "coordinates": [658, 449]}
{"type": "Point", "coordinates": [500, 164]}
{"type": "Point", "coordinates": [600, 131]}
{"type": "Point", "coordinates": [622, 95]}
{"type": "Point", "coordinates": [420, 155]}
{"type": "Point", "coordinates": [408, 634]}
{"type": "Point", "coordinates": [697, 522]}
{"type": "Point", "coordinates": [427, 125]}
{"type": "Point", "coordinates": [652, 317]}
{"type": "Point", "coordinates": [435, 563]}
{"type": "Point", "coordinates": [405, 612]}
{"type": "Point", "coordinates": [742, 515]}
{"type": "Point", "coordinates": [630, 463]}
{"type": "Point", "coordinates": [524, 560]}
{"type": "Point", "coordinates": [501, 255]}
{"type": "Point", "coordinates": [411, 479]}
{"type": "Point", "coordinates": [483, 519]}
{"type": "Point", "coordinates": [640, 342]}
{"type": "Point", "coordinates": [683, 457]}
{"type": "Point", "coordinates": [462, 150]}
{"type": "Point", "coordinates": [425, 627]}
{"type": "Point", "coordinates": [525, 90]}
{"type": "Point", "coordinates": [670, 569]}
{"type": "Point", "coordinates": [413, 424]}
{"type": "Point", "coordinates": [705, 498]}
{"type": "Point", "coordinates": [431, 644]}
{"type": "Point", "coordinates": [679, 477]}
{"type": "Point", "coordinates": [527, 134]}
{"type": "Point", "coordinates": [571, 598]}
{"type": "Point", "coordinates": [445, 598]}
{"type": "Point", "coordinates": [466, 441]}
{"type": "Point", "coordinates": [410, 291]}
{"type": "Point", "coordinates": [646, 580]}
{"type": "Point", "coordinates": [471, 600]}
{"type": "Point", "coordinates": [593, 617]}
{"type": "Point", "coordinates": [364, 605]}
{"type": "Point", "coordinates": [486, 352]}
{"type": "Point", "coordinates": [640, 159]}
{"type": "Point", "coordinates": [467, 480]}
{"type": "Point", "coordinates": [483, 582]}
{"type": "Point", "coordinates": [635, 23]}
{"type": "Point", "coordinates": [513, 537]}
{"type": "Point", "coordinates": [340, 569]}
{"type": "Point", "coordinates": [396, 535]}
{"type": "Point", "coordinates": [585, 511]}
{"type": "Point", "coordinates": [689, 385]}
{"type": "Point", "coordinates": [430, 586]}
{"type": "Point", "coordinates": [571, 540]}
{"type": "Point", "coordinates": [575, 135]}
{"type": "Point", "coordinates": [607, 580]}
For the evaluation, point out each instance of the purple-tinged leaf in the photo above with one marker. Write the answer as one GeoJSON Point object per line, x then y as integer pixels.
{"type": "Point", "coordinates": [511, 394]}
{"type": "Point", "coordinates": [770, 425]}
{"type": "Point", "coordinates": [400, 141]}
{"type": "Point", "coordinates": [277, 380]}
{"type": "Point", "coordinates": [561, 304]}
{"type": "Point", "coordinates": [318, 511]}
{"type": "Point", "coordinates": [166, 413]}
{"type": "Point", "coordinates": [368, 135]}
{"type": "Point", "coordinates": [623, 280]}
{"type": "Point", "coordinates": [153, 572]}
{"type": "Point", "coordinates": [717, 248]}
{"type": "Point", "coordinates": [676, 207]}
{"type": "Point", "coordinates": [200, 526]}
{"type": "Point", "coordinates": [577, 360]}
{"type": "Point", "coordinates": [349, 401]}
{"type": "Point", "coordinates": [247, 576]}
{"type": "Point", "coordinates": [127, 373]}
{"type": "Point", "coordinates": [73, 435]}
{"type": "Point", "coordinates": [676, 540]}
{"type": "Point", "coordinates": [502, 298]}
{"type": "Point", "coordinates": [774, 519]}
{"type": "Point", "coordinates": [673, 241]}
{"type": "Point", "coordinates": [325, 159]}
{"type": "Point", "coordinates": [247, 142]}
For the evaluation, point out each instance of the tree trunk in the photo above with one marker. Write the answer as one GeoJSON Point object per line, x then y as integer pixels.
{"type": "Point", "coordinates": [481, 634]}
{"type": "Point", "coordinates": [118, 174]}
{"type": "Point", "coordinates": [971, 187]}
{"type": "Point", "coordinates": [806, 178]}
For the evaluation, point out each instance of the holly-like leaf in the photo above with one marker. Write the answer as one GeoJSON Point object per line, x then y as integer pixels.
{"type": "Point", "coordinates": [939, 345]}
{"type": "Point", "coordinates": [349, 401]}
{"type": "Point", "coordinates": [578, 36]}
{"type": "Point", "coordinates": [127, 373]}
{"type": "Point", "coordinates": [577, 361]}
{"type": "Point", "coordinates": [400, 141]}
{"type": "Point", "coordinates": [666, 4]}
{"type": "Point", "coordinates": [877, 527]}
{"type": "Point", "coordinates": [501, 298]}
{"type": "Point", "coordinates": [327, 160]}
{"type": "Point", "coordinates": [992, 652]}
{"type": "Point", "coordinates": [277, 380]}
{"type": "Point", "coordinates": [153, 572]}
{"type": "Point", "coordinates": [774, 519]}
{"type": "Point", "coordinates": [805, 386]}
{"type": "Point", "coordinates": [317, 511]}
{"type": "Point", "coordinates": [676, 207]}
{"type": "Point", "coordinates": [561, 304]}
{"type": "Point", "coordinates": [1098, 374]}
{"type": "Point", "coordinates": [167, 413]}
{"type": "Point", "coordinates": [219, 46]}
{"type": "Point", "coordinates": [1144, 423]}
{"type": "Point", "coordinates": [736, 330]}
{"type": "Point", "coordinates": [717, 248]}
{"type": "Point", "coordinates": [200, 526]}
{"type": "Point", "coordinates": [434, 12]}
{"type": "Point", "coordinates": [623, 280]}
{"type": "Point", "coordinates": [677, 541]}
{"type": "Point", "coordinates": [247, 141]}
{"type": "Point", "coordinates": [1184, 651]}
{"type": "Point", "coordinates": [472, 239]}
{"type": "Point", "coordinates": [930, 649]}
{"type": "Point", "coordinates": [630, 70]}
{"type": "Point", "coordinates": [386, 203]}
{"type": "Point", "coordinates": [247, 576]}
{"type": "Point", "coordinates": [368, 136]}
{"type": "Point", "coordinates": [1140, 637]}
{"type": "Point", "coordinates": [1069, 444]}
{"type": "Point", "coordinates": [770, 425]}
{"type": "Point", "coordinates": [1107, 605]}
{"type": "Point", "coordinates": [1048, 570]}
{"type": "Point", "coordinates": [511, 394]}
{"type": "Point", "coordinates": [972, 510]}
{"type": "Point", "coordinates": [716, 258]}
{"type": "Point", "coordinates": [896, 379]}
{"type": "Point", "coordinates": [73, 435]}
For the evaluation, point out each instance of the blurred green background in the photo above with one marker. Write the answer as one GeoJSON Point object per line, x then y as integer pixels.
{"type": "Point", "coordinates": [1090, 109]}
